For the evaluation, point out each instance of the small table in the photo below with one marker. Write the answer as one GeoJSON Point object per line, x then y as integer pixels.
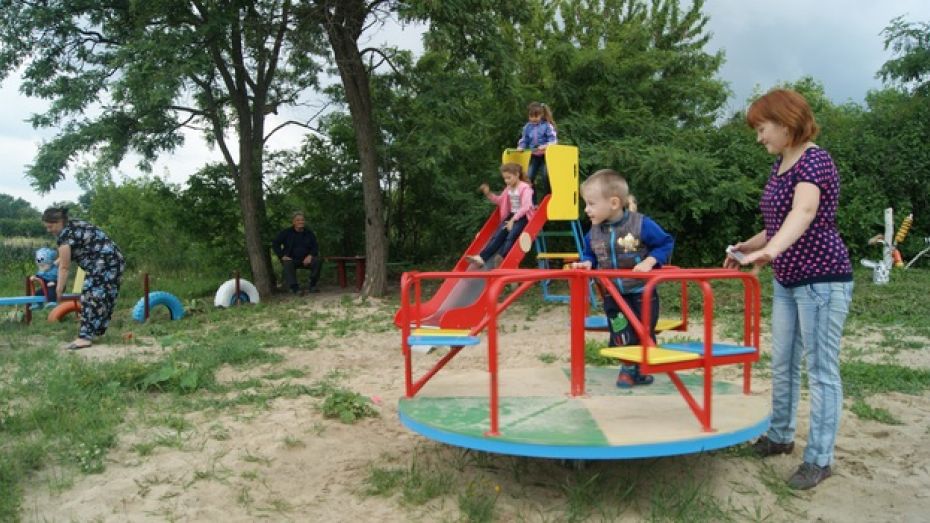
{"type": "Point", "coordinates": [341, 261]}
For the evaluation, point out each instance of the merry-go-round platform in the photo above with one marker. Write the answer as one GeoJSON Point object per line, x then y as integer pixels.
{"type": "Point", "coordinates": [538, 417]}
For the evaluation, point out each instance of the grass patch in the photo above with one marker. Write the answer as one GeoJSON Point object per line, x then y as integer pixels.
{"type": "Point", "coordinates": [784, 496]}
{"type": "Point", "coordinates": [547, 358]}
{"type": "Point", "coordinates": [592, 354]}
{"type": "Point", "coordinates": [861, 379]}
{"type": "Point", "coordinates": [477, 502]}
{"type": "Point", "coordinates": [865, 411]}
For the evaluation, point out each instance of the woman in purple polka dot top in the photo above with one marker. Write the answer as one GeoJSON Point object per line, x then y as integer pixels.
{"type": "Point", "coordinates": [813, 280]}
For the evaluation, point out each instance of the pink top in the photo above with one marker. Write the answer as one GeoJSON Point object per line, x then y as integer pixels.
{"type": "Point", "coordinates": [526, 202]}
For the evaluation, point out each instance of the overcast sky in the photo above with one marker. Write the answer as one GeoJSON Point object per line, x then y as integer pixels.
{"type": "Point", "coordinates": [837, 42]}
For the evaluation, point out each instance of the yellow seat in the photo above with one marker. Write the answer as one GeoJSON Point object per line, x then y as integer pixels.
{"type": "Point", "coordinates": [655, 355]}
{"type": "Point", "coordinates": [668, 324]}
{"type": "Point", "coordinates": [557, 256]}
{"type": "Point", "coordinates": [78, 281]}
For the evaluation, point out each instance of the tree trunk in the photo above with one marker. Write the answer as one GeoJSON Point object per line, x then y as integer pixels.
{"type": "Point", "coordinates": [358, 95]}
{"type": "Point", "coordinates": [252, 205]}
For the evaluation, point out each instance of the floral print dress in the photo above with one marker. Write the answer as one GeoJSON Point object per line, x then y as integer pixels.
{"type": "Point", "coordinates": [103, 264]}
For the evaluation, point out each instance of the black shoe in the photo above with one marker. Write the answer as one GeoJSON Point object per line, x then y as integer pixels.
{"type": "Point", "coordinates": [314, 289]}
{"type": "Point", "coordinates": [764, 447]}
{"type": "Point", "coordinates": [808, 476]}
{"type": "Point", "coordinates": [295, 290]}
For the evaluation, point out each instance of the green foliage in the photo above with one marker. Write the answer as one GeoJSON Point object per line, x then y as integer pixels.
{"type": "Point", "coordinates": [910, 42]}
{"type": "Point", "coordinates": [592, 353]}
{"type": "Point", "coordinates": [212, 218]}
{"type": "Point", "coordinates": [347, 406]}
{"type": "Point", "coordinates": [137, 214]}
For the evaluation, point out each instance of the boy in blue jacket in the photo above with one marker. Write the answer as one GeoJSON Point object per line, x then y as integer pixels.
{"type": "Point", "coordinates": [621, 238]}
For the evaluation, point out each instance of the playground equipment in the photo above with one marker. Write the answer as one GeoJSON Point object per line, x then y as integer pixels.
{"type": "Point", "coordinates": [527, 412]}
{"type": "Point", "coordinates": [63, 309]}
{"type": "Point", "coordinates": [151, 299]}
{"type": "Point", "coordinates": [891, 256]}
{"type": "Point", "coordinates": [235, 292]}
{"type": "Point", "coordinates": [459, 302]}
{"type": "Point", "coordinates": [32, 298]}
{"type": "Point", "coordinates": [562, 166]}
{"type": "Point", "coordinates": [69, 303]}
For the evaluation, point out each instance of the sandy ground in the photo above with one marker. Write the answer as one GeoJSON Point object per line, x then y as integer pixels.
{"type": "Point", "coordinates": [288, 463]}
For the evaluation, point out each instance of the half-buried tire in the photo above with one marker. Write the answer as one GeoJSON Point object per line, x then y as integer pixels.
{"type": "Point", "coordinates": [155, 299]}
{"type": "Point", "coordinates": [226, 294]}
{"type": "Point", "coordinates": [63, 309]}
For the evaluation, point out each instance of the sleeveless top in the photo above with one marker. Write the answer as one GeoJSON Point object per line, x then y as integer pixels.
{"type": "Point", "coordinates": [619, 245]}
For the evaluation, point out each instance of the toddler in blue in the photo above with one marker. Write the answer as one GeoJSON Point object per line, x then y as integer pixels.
{"type": "Point", "coordinates": [47, 271]}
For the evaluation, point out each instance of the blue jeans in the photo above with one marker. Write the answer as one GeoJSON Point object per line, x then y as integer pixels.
{"type": "Point", "coordinates": [808, 320]}
{"type": "Point", "coordinates": [537, 169]}
{"type": "Point", "coordinates": [503, 240]}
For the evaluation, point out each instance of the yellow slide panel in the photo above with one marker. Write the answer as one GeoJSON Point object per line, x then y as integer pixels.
{"type": "Point", "coordinates": [562, 163]}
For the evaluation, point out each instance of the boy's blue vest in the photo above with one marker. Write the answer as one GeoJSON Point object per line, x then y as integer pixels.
{"type": "Point", "coordinates": [618, 246]}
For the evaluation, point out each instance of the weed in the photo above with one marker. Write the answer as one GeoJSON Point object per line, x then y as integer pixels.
{"type": "Point", "coordinates": [865, 411]}
{"type": "Point", "coordinates": [255, 458]}
{"type": "Point", "coordinates": [286, 373]}
{"type": "Point", "coordinates": [476, 503]}
{"type": "Point", "coordinates": [174, 440]}
{"type": "Point", "coordinates": [592, 354]}
{"type": "Point", "coordinates": [177, 423]}
{"type": "Point", "coordinates": [219, 433]}
{"type": "Point", "coordinates": [347, 406]}
{"type": "Point", "coordinates": [685, 500]}
{"type": "Point", "coordinates": [777, 485]}
{"type": "Point", "coordinates": [292, 443]}
{"type": "Point", "coordinates": [250, 475]}
{"type": "Point", "coordinates": [244, 498]}
{"type": "Point", "coordinates": [421, 485]}
{"type": "Point", "coordinates": [547, 357]}
{"type": "Point", "coordinates": [144, 448]}
{"type": "Point", "coordinates": [383, 481]}
{"type": "Point", "coordinates": [278, 506]}
{"type": "Point", "coordinates": [582, 496]}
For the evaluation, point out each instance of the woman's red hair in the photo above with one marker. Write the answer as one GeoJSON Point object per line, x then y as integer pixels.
{"type": "Point", "coordinates": [788, 108]}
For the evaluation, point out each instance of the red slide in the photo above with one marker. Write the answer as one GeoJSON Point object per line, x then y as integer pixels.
{"type": "Point", "coordinates": [460, 303]}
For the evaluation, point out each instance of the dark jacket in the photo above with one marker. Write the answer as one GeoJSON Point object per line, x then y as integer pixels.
{"type": "Point", "coordinates": [296, 245]}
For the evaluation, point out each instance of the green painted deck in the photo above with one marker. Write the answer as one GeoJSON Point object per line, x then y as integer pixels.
{"type": "Point", "coordinates": [536, 410]}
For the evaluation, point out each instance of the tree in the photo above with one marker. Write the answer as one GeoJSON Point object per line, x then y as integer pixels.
{"type": "Point", "coordinates": [911, 43]}
{"type": "Point", "coordinates": [16, 208]}
{"type": "Point", "coordinates": [19, 218]}
{"type": "Point", "coordinates": [343, 22]}
{"type": "Point", "coordinates": [130, 76]}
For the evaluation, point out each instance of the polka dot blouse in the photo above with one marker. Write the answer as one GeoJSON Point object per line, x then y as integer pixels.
{"type": "Point", "coordinates": [819, 255]}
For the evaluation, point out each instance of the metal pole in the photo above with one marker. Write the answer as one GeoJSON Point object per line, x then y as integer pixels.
{"type": "Point", "coordinates": [145, 289]}
{"type": "Point", "coordinates": [237, 300]}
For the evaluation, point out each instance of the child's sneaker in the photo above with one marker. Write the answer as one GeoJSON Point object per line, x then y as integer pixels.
{"type": "Point", "coordinates": [628, 378]}
{"type": "Point", "coordinates": [476, 259]}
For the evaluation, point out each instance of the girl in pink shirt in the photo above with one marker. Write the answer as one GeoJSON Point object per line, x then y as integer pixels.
{"type": "Point", "coordinates": [515, 207]}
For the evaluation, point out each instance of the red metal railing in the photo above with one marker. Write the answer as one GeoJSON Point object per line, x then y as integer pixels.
{"type": "Point", "coordinates": [578, 281]}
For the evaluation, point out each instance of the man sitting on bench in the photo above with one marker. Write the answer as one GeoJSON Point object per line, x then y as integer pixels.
{"type": "Point", "coordinates": [297, 248]}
